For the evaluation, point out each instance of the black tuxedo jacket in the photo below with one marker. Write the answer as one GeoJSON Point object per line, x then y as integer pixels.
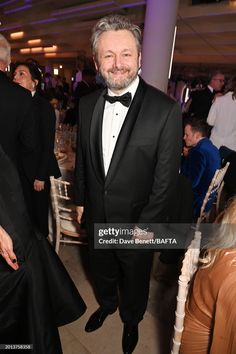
{"type": "Point", "coordinates": [17, 124]}
{"type": "Point", "coordinates": [144, 165]}
{"type": "Point", "coordinates": [201, 103]}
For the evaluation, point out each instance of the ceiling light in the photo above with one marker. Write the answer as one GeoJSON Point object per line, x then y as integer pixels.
{"type": "Point", "coordinates": [50, 55]}
{"type": "Point", "coordinates": [25, 50]}
{"type": "Point", "coordinates": [17, 35]}
{"type": "Point", "coordinates": [36, 49]}
{"type": "Point", "coordinates": [34, 41]}
{"type": "Point", "coordinates": [50, 49]}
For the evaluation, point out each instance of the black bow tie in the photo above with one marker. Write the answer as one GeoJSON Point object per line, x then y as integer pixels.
{"type": "Point", "coordinates": [124, 99]}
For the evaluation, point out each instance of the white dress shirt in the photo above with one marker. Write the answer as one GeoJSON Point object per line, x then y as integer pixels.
{"type": "Point", "coordinates": [210, 88]}
{"type": "Point", "coordinates": [113, 119]}
{"type": "Point", "coordinates": [222, 117]}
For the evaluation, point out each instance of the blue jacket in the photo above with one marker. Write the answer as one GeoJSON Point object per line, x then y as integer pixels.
{"type": "Point", "coordinates": [199, 166]}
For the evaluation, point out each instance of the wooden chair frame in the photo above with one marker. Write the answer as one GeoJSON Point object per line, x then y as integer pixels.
{"type": "Point", "coordinates": [62, 210]}
{"type": "Point", "coordinates": [189, 267]}
{"type": "Point", "coordinates": [215, 187]}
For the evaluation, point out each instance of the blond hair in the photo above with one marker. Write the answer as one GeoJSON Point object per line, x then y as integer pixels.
{"type": "Point", "coordinates": [225, 236]}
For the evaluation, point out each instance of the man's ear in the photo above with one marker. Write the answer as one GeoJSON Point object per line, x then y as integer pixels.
{"type": "Point", "coordinates": [140, 60]}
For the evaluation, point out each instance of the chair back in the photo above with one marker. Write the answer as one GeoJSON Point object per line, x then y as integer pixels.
{"type": "Point", "coordinates": [189, 267]}
{"type": "Point", "coordinates": [67, 228]}
{"type": "Point", "coordinates": [214, 191]}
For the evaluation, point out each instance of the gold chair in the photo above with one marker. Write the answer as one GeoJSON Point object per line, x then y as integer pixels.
{"type": "Point", "coordinates": [189, 267]}
{"type": "Point", "coordinates": [214, 191]}
{"type": "Point", "coordinates": [67, 228]}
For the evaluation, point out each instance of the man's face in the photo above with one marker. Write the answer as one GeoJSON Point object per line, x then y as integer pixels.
{"type": "Point", "coordinates": [191, 138]}
{"type": "Point", "coordinates": [217, 82]}
{"type": "Point", "coordinates": [117, 59]}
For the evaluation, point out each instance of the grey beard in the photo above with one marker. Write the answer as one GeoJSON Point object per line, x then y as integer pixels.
{"type": "Point", "coordinates": [119, 84]}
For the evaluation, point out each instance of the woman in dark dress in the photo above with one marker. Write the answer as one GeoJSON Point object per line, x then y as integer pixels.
{"type": "Point", "coordinates": [44, 163]}
{"type": "Point", "coordinates": [36, 293]}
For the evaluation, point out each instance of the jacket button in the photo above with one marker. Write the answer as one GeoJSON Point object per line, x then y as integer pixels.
{"type": "Point", "coordinates": [105, 192]}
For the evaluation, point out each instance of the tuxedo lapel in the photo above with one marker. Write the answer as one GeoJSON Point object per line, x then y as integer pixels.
{"type": "Point", "coordinates": [96, 138]}
{"type": "Point", "coordinates": [126, 131]}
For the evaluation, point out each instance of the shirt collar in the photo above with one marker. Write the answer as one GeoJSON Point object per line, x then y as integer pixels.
{"type": "Point", "coordinates": [210, 88]}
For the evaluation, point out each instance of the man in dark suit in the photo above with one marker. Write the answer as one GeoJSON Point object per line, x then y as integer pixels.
{"type": "Point", "coordinates": [128, 156]}
{"type": "Point", "coordinates": [17, 125]}
{"type": "Point", "coordinates": [87, 85]}
{"type": "Point", "coordinates": [201, 100]}
{"type": "Point", "coordinates": [84, 87]}
{"type": "Point", "coordinates": [201, 162]}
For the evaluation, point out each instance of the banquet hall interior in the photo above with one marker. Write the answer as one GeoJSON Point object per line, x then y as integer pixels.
{"type": "Point", "coordinates": [55, 34]}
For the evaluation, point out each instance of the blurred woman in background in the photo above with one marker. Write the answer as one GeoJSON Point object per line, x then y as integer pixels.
{"type": "Point", "coordinates": [36, 293]}
{"type": "Point", "coordinates": [44, 165]}
{"type": "Point", "coordinates": [210, 320]}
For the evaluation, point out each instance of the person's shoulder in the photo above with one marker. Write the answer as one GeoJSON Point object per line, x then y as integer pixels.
{"type": "Point", "coordinates": [201, 93]}
{"type": "Point", "coordinates": [42, 102]}
{"type": "Point", "coordinates": [225, 261]}
{"type": "Point", "coordinates": [40, 98]}
{"type": "Point", "coordinates": [199, 151]}
{"type": "Point", "coordinates": [17, 90]}
{"type": "Point", "coordinates": [156, 94]}
{"type": "Point", "coordinates": [207, 148]}
{"type": "Point", "coordinates": [206, 143]}
{"type": "Point", "coordinates": [92, 97]}
{"type": "Point", "coordinates": [225, 98]}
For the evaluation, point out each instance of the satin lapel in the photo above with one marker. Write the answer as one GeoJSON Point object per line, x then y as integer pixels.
{"type": "Point", "coordinates": [126, 131]}
{"type": "Point", "coordinates": [96, 138]}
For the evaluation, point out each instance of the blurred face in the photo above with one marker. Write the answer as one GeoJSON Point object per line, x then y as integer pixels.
{"type": "Point", "coordinates": [217, 82]}
{"type": "Point", "coordinates": [23, 77]}
{"type": "Point", "coordinates": [55, 103]}
{"type": "Point", "coordinates": [191, 138]}
{"type": "Point", "coordinates": [117, 59]}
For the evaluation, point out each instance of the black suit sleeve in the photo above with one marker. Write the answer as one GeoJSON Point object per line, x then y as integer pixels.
{"type": "Point", "coordinates": [79, 191]}
{"type": "Point", "coordinates": [46, 131]}
{"type": "Point", "coordinates": [166, 170]}
{"type": "Point", "coordinates": [27, 130]}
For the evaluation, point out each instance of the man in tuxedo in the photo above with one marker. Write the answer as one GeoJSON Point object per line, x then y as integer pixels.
{"type": "Point", "coordinates": [17, 125]}
{"type": "Point", "coordinates": [201, 162]}
{"type": "Point", "coordinates": [201, 100]}
{"type": "Point", "coordinates": [128, 154]}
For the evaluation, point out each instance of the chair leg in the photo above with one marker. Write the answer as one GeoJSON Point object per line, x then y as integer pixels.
{"type": "Point", "coordinates": [58, 238]}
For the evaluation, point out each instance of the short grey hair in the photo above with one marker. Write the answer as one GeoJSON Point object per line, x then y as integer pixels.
{"type": "Point", "coordinates": [5, 50]}
{"type": "Point", "coordinates": [115, 23]}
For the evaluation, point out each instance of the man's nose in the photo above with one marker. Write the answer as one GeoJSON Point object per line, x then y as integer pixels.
{"type": "Point", "coordinates": [117, 61]}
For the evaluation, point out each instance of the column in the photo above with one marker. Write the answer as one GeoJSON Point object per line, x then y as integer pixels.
{"type": "Point", "coordinates": [159, 27]}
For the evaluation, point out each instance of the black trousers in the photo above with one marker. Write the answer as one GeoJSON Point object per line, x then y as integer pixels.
{"type": "Point", "coordinates": [37, 204]}
{"type": "Point", "coordinates": [41, 202]}
{"type": "Point", "coordinates": [121, 278]}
